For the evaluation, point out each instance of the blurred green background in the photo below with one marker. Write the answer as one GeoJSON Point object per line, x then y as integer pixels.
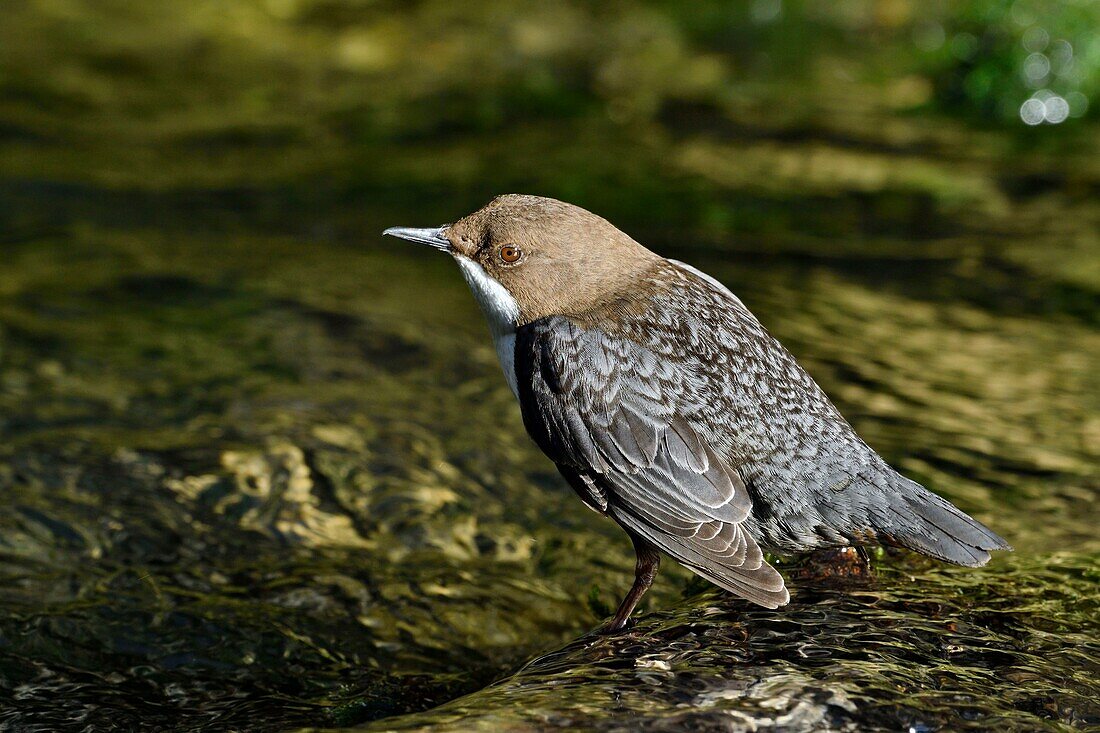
{"type": "Point", "coordinates": [805, 125]}
{"type": "Point", "coordinates": [259, 466]}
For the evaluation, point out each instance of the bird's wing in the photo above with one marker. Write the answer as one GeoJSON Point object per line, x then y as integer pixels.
{"type": "Point", "coordinates": [814, 481]}
{"type": "Point", "coordinates": [607, 409]}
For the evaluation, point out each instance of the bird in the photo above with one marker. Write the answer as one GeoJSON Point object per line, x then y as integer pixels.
{"type": "Point", "coordinates": [667, 406]}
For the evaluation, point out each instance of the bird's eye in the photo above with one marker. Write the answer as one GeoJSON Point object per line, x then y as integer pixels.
{"type": "Point", "coordinates": [510, 253]}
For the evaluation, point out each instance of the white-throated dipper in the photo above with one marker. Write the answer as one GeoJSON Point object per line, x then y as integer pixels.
{"type": "Point", "coordinates": [666, 405]}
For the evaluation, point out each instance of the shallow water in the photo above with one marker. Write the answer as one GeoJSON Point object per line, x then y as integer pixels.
{"type": "Point", "coordinates": [258, 502]}
{"type": "Point", "coordinates": [261, 471]}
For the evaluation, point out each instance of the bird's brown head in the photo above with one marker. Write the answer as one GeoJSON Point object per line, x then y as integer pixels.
{"type": "Point", "coordinates": [549, 257]}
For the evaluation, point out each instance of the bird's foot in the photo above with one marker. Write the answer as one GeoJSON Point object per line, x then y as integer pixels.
{"type": "Point", "coordinates": [835, 563]}
{"type": "Point", "coordinates": [615, 626]}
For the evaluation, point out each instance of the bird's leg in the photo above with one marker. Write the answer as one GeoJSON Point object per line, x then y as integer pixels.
{"type": "Point", "coordinates": [645, 570]}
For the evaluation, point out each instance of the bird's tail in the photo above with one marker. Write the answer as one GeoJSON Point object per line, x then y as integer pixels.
{"type": "Point", "coordinates": [933, 526]}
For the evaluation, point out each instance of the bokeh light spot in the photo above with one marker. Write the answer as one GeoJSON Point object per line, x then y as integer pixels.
{"type": "Point", "coordinates": [1036, 68]}
{"type": "Point", "coordinates": [1078, 104]}
{"type": "Point", "coordinates": [1036, 39]}
{"type": "Point", "coordinates": [1056, 110]}
{"type": "Point", "coordinates": [765, 11]}
{"type": "Point", "coordinates": [1033, 111]}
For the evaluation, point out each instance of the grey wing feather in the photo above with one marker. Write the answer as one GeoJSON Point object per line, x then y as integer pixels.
{"type": "Point", "coordinates": [607, 411]}
{"type": "Point", "coordinates": [814, 481]}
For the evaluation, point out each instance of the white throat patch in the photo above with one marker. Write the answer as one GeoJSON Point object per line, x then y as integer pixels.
{"type": "Point", "coordinates": [501, 311]}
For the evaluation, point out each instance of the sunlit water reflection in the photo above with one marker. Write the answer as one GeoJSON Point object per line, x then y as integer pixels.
{"type": "Point", "coordinates": [301, 495]}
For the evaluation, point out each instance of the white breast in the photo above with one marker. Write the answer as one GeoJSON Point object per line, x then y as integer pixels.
{"type": "Point", "coordinates": [501, 311]}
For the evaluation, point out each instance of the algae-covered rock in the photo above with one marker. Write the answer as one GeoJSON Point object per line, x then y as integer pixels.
{"type": "Point", "coordinates": [946, 649]}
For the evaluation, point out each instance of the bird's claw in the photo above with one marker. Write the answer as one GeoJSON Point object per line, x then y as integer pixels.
{"type": "Point", "coordinates": [611, 628]}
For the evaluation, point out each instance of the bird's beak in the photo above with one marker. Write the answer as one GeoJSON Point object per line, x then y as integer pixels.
{"type": "Point", "coordinates": [430, 237]}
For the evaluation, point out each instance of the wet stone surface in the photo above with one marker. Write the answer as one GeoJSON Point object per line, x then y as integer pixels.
{"type": "Point", "coordinates": [900, 653]}
{"type": "Point", "coordinates": [294, 530]}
